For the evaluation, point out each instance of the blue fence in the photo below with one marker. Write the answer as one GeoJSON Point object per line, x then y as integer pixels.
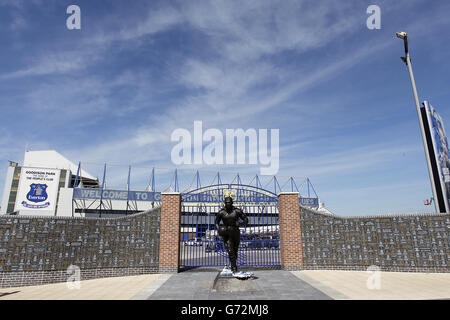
{"type": "Point", "coordinates": [201, 246]}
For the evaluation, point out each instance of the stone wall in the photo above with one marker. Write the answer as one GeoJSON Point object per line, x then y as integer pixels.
{"type": "Point", "coordinates": [39, 250]}
{"type": "Point", "coordinates": [36, 250]}
{"type": "Point", "coordinates": [392, 243]}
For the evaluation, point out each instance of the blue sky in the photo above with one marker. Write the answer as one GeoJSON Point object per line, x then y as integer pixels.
{"type": "Point", "coordinates": [115, 90]}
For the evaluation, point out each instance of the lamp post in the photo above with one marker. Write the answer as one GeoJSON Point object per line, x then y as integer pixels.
{"type": "Point", "coordinates": [407, 60]}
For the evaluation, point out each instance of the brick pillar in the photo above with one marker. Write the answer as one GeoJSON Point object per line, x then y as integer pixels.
{"type": "Point", "coordinates": [290, 231]}
{"type": "Point", "coordinates": [169, 237]}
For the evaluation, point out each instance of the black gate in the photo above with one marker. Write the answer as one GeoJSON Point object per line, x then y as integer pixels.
{"type": "Point", "coordinates": [201, 246]}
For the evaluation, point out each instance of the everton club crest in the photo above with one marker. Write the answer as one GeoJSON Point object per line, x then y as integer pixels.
{"type": "Point", "coordinates": [37, 193]}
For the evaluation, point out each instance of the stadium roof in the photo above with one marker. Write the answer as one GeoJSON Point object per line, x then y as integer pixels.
{"type": "Point", "coordinates": [54, 160]}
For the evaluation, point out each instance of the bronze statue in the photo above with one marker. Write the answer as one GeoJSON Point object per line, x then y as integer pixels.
{"type": "Point", "coordinates": [229, 230]}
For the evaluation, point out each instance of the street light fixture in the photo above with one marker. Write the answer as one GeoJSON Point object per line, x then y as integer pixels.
{"type": "Point", "coordinates": [407, 60]}
{"type": "Point", "coordinates": [404, 36]}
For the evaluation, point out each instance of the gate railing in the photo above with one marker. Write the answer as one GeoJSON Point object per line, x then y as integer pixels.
{"type": "Point", "coordinates": [201, 246]}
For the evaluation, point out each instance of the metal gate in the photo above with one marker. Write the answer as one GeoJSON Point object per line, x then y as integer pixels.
{"type": "Point", "coordinates": [201, 246]}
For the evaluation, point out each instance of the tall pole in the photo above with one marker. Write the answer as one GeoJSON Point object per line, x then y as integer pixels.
{"type": "Point", "coordinates": [407, 61]}
{"type": "Point", "coordinates": [103, 187]}
{"type": "Point", "coordinates": [128, 189]}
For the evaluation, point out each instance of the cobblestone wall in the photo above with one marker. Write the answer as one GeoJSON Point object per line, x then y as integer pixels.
{"type": "Point", "coordinates": [104, 246]}
{"type": "Point", "coordinates": [393, 243]}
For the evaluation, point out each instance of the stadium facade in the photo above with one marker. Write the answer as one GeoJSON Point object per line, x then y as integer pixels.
{"type": "Point", "coordinates": [49, 184]}
{"type": "Point", "coordinates": [44, 186]}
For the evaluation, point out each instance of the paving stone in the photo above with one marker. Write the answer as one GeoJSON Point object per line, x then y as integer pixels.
{"type": "Point", "coordinates": [269, 284]}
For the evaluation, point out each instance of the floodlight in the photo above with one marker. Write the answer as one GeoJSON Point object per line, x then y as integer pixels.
{"type": "Point", "coordinates": [402, 35]}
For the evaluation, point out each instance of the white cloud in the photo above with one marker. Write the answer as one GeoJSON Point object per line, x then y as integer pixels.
{"type": "Point", "coordinates": [229, 98]}
{"type": "Point", "coordinates": [153, 22]}
{"type": "Point", "coordinates": [12, 3]}
{"type": "Point", "coordinates": [349, 160]}
{"type": "Point", "coordinates": [248, 30]}
{"type": "Point", "coordinates": [57, 63]}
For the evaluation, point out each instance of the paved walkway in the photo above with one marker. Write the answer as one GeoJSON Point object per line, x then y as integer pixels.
{"type": "Point", "coordinates": [268, 284]}
{"type": "Point", "coordinates": [364, 285]}
{"type": "Point", "coordinates": [117, 288]}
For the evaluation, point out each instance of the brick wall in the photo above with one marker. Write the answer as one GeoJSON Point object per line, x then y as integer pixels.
{"type": "Point", "coordinates": [290, 231]}
{"type": "Point", "coordinates": [413, 242]}
{"type": "Point", "coordinates": [35, 278]}
{"type": "Point", "coordinates": [36, 250]}
{"type": "Point", "coordinates": [170, 232]}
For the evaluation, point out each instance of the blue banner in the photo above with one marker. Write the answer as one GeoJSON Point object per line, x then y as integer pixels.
{"type": "Point", "coordinates": [441, 149]}
{"type": "Point", "coordinates": [97, 194]}
{"type": "Point", "coordinates": [241, 194]}
{"type": "Point", "coordinates": [309, 202]}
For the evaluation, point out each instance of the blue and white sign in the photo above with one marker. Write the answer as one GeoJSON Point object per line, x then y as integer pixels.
{"type": "Point", "coordinates": [441, 151]}
{"type": "Point", "coordinates": [98, 194]}
{"type": "Point", "coordinates": [37, 190]}
{"type": "Point", "coordinates": [309, 202]}
{"type": "Point", "coordinates": [241, 194]}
